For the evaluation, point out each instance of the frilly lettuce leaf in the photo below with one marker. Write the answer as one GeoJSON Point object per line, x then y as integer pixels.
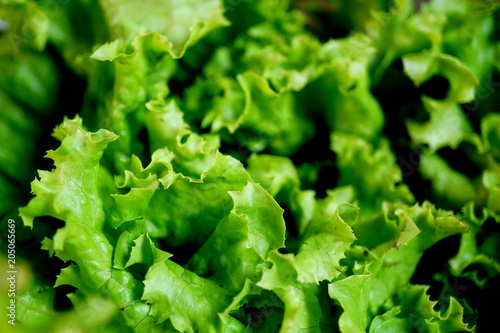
{"type": "Point", "coordinates": [140, 51]}
{"type": "Point", "coordinates": [470, 254]}
{"type": "Point", "coordinates": [240, 244]}
{"type": "Point", "coordinates": [355, 155]}
{"type": "Point", "coordinates": [193, 154]}
{"type": "Point", "coordinates": [472, 27]}
{"type": "Point", "coordinates": [69, 193]}
{"type": "Point", "coordinates": [294, 278]}
{"type": "Point", "coordinates": [96, 271]}
{"type": "Point", "coordinates": [325, 239]}
{"type": "Point", "coordinates": [69, 175]}
{"type": "Point", "coordinates": [422, 66]}
{"type": "Point", "coordinates": [417, 312]}
{"type": "Point", "coordinates": [449, 185]}
{"type": "Point", "coordinates": [455, 189]}
{"type": "Point", "coordinates": [446, 127]}
{"type": "Point", "coordinates": [344, 89]}
{"type": "Point", "coordinates": [384, 268]}
{"type": "Point", "coordinates": [123, 77]}
{"type": "Point", "coordinates": [272, 42]}
{"type": "Point", "coordinates": [276, 174]}
{"type": "Point", "coordinates": [302, 311]}
{"type": "Point", "coordinates": [248, 106]}
{"type": "Point", "coordinates": [35, 313]}
{"type": "Point", "coordinates": [187, 301]}
{"type": "Point", "coordinates": [194, 203]}
{"type": "Point", "coordinates": [35, 307]}
{"type": "Point", "coordinates": [272, 116]}
{"type": "Point", "coordinates": [352, 295]}
{"type": "Point", "coordinates": [178, 24]}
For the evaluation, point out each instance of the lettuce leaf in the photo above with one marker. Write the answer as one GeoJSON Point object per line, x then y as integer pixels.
{"type": "Point", "coordinates": [239, 166]}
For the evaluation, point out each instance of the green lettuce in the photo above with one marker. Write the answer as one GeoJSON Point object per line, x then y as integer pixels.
{"type": "Point", "coordinates": [250, 166]}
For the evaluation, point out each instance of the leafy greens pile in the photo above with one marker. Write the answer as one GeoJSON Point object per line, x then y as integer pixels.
{"type": "Point", "coordinates": [251, 166]}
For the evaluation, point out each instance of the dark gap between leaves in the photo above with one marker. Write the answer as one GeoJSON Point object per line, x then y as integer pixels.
{"type": "Point", "coordinates": [400, 101]}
